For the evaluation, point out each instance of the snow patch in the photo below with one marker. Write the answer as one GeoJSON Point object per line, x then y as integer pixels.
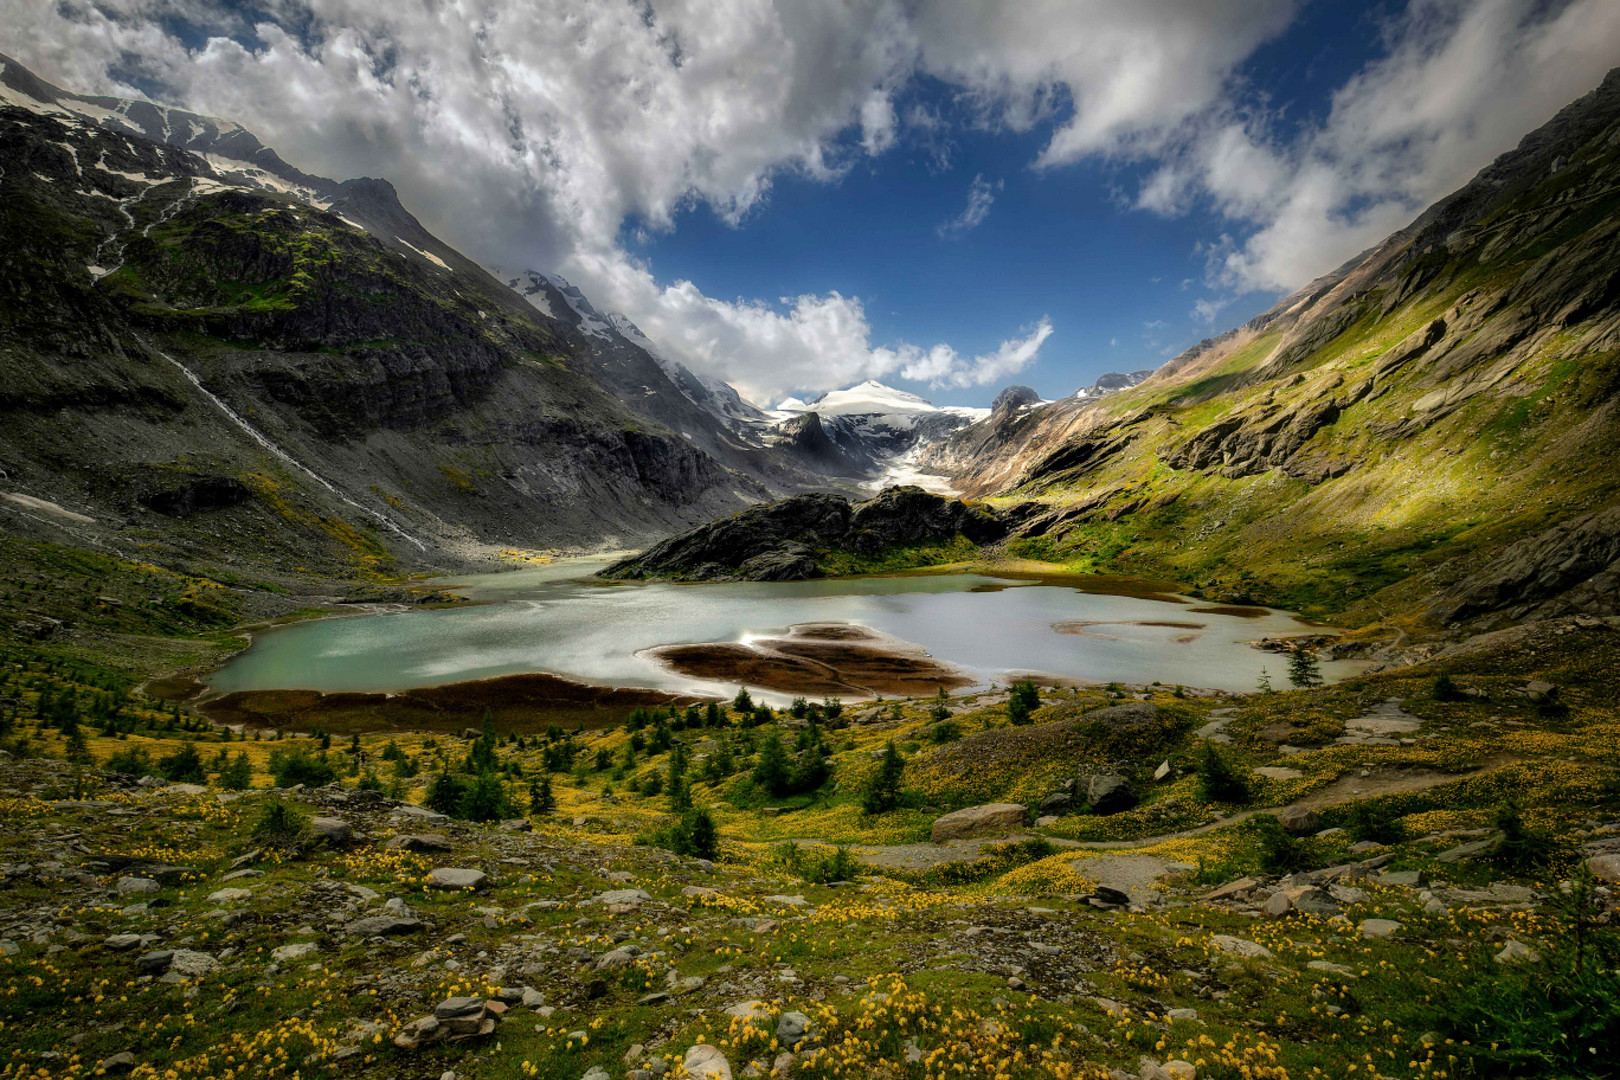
{"type": "Point", "coordinates": [428, 255]}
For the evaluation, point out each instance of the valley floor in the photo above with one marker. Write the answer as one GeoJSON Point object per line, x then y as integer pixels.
{"type": "Point", "coordinates": [1402, 877]}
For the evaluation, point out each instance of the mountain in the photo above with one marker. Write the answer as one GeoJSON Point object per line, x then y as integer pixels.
{"type": "Point", "coordinates": [879, 430]}
{"type": "Point", "coordinates": [301, 370]}
{"type": "Point", "coordinates": [1428, 434]}
{"type": "Point", "coordinates": [1113, 382]}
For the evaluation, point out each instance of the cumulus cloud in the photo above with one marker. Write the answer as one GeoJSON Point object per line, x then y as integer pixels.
{"type": "Point", "coordinates": [1461, 82]}
{"type": "Point", "coordinates": [540, 133]}
{"type": "Point", "coordinates": [981, 196]}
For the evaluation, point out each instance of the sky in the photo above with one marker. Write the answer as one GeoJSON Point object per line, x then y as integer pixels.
{"type": "Point", "coordinates": [950, 196]}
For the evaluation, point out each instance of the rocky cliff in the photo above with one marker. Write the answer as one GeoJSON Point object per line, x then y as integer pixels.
{"type": "Point", "coordinates": [796, 538]}
{"type": "Point", "coordinates": [298, 367]}
{"type": "Point", "coordinates": [1431, 429]}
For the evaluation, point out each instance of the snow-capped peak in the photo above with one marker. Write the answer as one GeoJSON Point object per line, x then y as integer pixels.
{"type": "Point", "coordinates": [864, 399]}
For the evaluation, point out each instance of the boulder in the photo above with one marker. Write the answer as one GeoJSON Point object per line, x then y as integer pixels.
{"type": "Point", "coordinates": [1277, 906]}
{"type": "Point", "coordinates": [1232, 889]}
{"type": "Point", "coordinates": [451, 877]}
{"type": "Point", "coordinates": [1605, 868]}
{"type": "Point", "coordinates": [623, 896]}
{"type": "Point", "coordinates": [791, 1027]}
{"type": "Point", "coordinates": [382, 926]}
{"type": "Point", "coordinates": [1109, 794]}
{"type": "Point", "coordinates": [1378, 928]}
{"type": "Point", "coordinates": [704, 1062]}
{"type": "Point", "coordinates": [1300, 820]}
{"type": "Point", "coordinates": [990, 819]}
{"type": "Point", "coordinates": [330, 830]}
{"type": "Point", "coordinates": [1056, 804]}
{"type": "Point", "coordinates": [296, 951]}
{"type": "Point", "coordinates": [1236, 946]}
{"type": "Point", "coordinates": [137, 886]}
{"type": "Point", "coordinates": [419, 842]}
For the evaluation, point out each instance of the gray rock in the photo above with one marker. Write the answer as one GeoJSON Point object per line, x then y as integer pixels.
{"type": "Point", "coordinates": [1378, 928]}
{"type": "Point", "coordinates": [1514, 952]}
{"type": "Point", "coordinates": [138, 886]}
{"type": "Point", "coordinates": [1236, 946]}
{"type": "Point", "coordinates": [123, 942]}
{"type": "Point", "coordinates": [1109, 794]}
{"type": "Point", "coordinates": [295, 951]}
{"type": "Point", "coordinates": [1057, 804]}
{"type": "Point", "coordinates": [1605, 868]}
{"type": "Point", "coordinates": [451, 878]}
{"type": "Point", "coordinates": [225, 896]}
{"type": "Point", "coordinates": [988, 820]}
{"type": "Point", "coordinates": [330, 830]}
{"type": "Point", "coordinates": [1476, 849]}
{"type": "Point", "coordinates": [117, 1065]}
{"type": "Point", "coordinates": [1277, 906]}
{"type": "Point", "coordinates": [705, 1062]}
{"type": "Point", "coordinates": [383, 926]}
{"type": "Point", "coordinates": [419, 842]}
{"type": "Point", "coordinates": [1299, 820]}
{"type": "Point", "coordinates": [623, 896]}
{"type": "Point", "coordinates": [791, 1027]}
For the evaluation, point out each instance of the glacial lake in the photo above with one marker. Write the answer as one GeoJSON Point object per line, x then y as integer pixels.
{"type": "Point", "coordinates": [557, 619]}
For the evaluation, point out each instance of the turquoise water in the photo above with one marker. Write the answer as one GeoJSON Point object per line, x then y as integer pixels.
{"type": "Point", "coordinates": [557, 619]}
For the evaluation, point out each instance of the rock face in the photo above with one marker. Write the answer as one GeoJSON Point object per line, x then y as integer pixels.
{"type": "Point", "coordinates": [780, 541]}
{"type": "Point", "coordinates": [991, 819]}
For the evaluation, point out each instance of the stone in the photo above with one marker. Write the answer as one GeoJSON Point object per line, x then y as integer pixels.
{"type": "Point", "coordinates": [705, 1062]}
{"type": "Point", "coordinates": [1330, 968]}
{"type": "Point", "coordinates": [1474, 850]}
{"type": "Point", "coordinates": [1162, 773]}
{"type": "Point", "coordinates": [383, 926]}
{"type": "Point", "coordinates": [1540, 690]}
{"type": "Point", "coordinates": [751, 1012]}
{"type": "Point", "coordinates": [458, 1006]}
{"type": "Point", "coordinates": [1232, 889]}
{"type": "Point", "coordinates": [701, 893]}
{"type": "Point", "coordinates": [1181, 1014]}
{"type": "Point", "coordinates": [450, 878]}
{"type": "Point", "coordinates": [1514, 952]}
{"type": "Point", "coordinates": [1605, 868]}
{"type": "Point", "coordinates": [420, 813]}
{"type": "Point", "coordinates": [330, 830]}
{"type": "Point", "coordinates": [789, 901]}
{"type": "Point", "coordinates": [1109, 794]}
{"type": "Point", "coordinates": [1277, 906]}
{"type": "Point", "coordinates": [424, 843]}
{"type": "Point", "coordinates": [517, 825]}
{"type": "Point", "coordinates": [632, 897]}
{"type": "Point", "coordinates": [792, 1027]}
{"type": "Point", "coordinates": [1378, 928]}
{"type": "Point", "coordinates": [154, 963]}
{"type": "Point", "coordinates": [596, 1072]}
{"type": "Point", "coordinates": [1299, 820]}
{"type": "Point", "coordinates": [612, 961]}
{"type": "Point", "coordinates": [1236, 946]}
{"type": "Point", "coordinates": [123, 942]}
{"type": "Point", "coordinates": [1405, 879]}
{"type": "Point", "coordinates": [1056, 804]}
{"type": "Point", "coordinates": [988, 820]}
{"type": "Point", "coordinates": [137, 886]}
{"type": "Point", "coordinates": [224, 896]}
{"type": "Point", "coordinates": [117, 1065]}
{"type": "Point", "coordinates": [296, 951]}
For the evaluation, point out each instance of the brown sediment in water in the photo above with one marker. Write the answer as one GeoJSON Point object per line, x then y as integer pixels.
{"type": "Point", "coordinates": [1083, 627]}
{"type": "Point", "coordinates": [817, 659]}
{"type": "Point", "coordinates": [1233, 610]}
{"type": "Point", "coordinates": [519, 703]}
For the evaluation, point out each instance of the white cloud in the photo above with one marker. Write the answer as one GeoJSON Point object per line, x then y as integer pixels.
{"type": "Point", "coordinates": [941, 366]}
{"type": "Point", "coordinates": [540, 133]}
{"type": "Point", "coordinates": [1462, 81]}
{"type": "Point", "coordinates": [981, 196]}
{"type": "Point", "coordinates": [1204, 311]}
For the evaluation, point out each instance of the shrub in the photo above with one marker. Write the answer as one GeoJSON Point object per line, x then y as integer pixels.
{"type": "Point", "coordinates": [882, 792]}
{"type": "Point", "coordinates": [945, 731]}
{"type": "Point", "coordinates": [1374, 821]}
{"type": "Point", "coordinates": [131, 761]}
{"type": "Point", "coordinates": [282, 826]}
{"type": "Point", "coordinates": [184, 766]}
{"type": "Point", "coordinates": [1218, 781]}
{"type": "Point", "coordinates": [444, 793]}
{"type": "Point", "coordinates": [1281, 852]}
{"type": "Point", "coordinates": [693, 834]}
{"type": "Point", "coordinates": [237, 774]}
{"type": "Point", "coordinates": [1521, 847]}
{"type": "Point", "coordinates": [1022, 702]}
{"type": "Point", "coordinates": [298, 766]}
{"type": "Point", "coordinates": [1442, 688]}
{"type": "Point", "coordinates": [485, 799]}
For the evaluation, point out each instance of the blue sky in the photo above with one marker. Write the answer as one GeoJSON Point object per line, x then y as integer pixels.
{"type": "Point", "coordinates": [1118, 283]}
{"type": "Point", "coordinates": [767, 188]}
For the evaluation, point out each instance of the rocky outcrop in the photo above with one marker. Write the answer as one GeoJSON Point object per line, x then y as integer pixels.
{"type": "Point", "coordinates": [781, 541]}
{"type": "Point", "coordinates": [1571, 568]}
